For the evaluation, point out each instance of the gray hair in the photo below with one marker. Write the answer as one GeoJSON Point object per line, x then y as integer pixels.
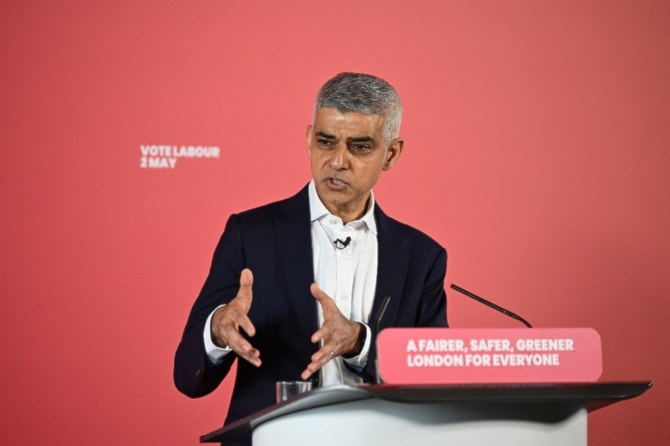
{"type": "Point", "coordinates": [363, 93]}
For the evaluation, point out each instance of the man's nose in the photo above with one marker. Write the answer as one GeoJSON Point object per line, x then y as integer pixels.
{"type": "Point", "coordinates": [339, 157]}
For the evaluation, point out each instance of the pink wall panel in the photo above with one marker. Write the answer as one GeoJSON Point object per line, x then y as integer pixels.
{"type": "Point", "coordinates": [536, 149]}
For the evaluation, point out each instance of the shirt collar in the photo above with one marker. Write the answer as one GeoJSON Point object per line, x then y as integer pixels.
{"type": "Point", "coordinates": [318, 210]}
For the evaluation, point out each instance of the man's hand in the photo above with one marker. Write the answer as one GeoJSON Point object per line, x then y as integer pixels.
{"type": "Point", "coordinates": [228, 320]}
{"type": "Point", "coordinates": [340, 336]}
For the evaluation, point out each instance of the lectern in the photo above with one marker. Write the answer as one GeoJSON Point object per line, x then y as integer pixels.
{"type": "Point", "coordinates": [426, 415]}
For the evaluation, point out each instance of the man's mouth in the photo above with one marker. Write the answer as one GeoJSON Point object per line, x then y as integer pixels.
{"type": "Point", "coordinates": [336, 183]}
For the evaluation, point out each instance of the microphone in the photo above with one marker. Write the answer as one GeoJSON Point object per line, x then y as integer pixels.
{"type": "Point", "coordinates": [378, 320]}
{"type": "Point", "coordinates": [341, 244]}
{"type": "Point", "coordinates": [491, 304]}
{"type": "Point", "coordinates": [380, 313]}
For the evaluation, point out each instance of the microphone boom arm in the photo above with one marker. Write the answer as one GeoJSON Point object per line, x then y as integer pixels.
{"type": "Point", "coordinates": [491, 304]}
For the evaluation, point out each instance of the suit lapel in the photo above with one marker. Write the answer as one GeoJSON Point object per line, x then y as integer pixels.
{"type": "Point", "coordinates": [392, 269]}
{"type": "Point", "coordinates": [294, 239]}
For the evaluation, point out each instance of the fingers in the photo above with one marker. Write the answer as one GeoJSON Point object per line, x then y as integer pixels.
{"type": "Point", "coordinates": [226, 325]}
{"type": "Point", "coordinates": [319, 359]}
{"type": "Point", "coordinates": [338, 334]}
{"type": "Point", "coordinates": [233, 317]}
{"type": "Point", "coordinates": [329, 310]}
{"type": "Point", "coordinates": [244, 297]}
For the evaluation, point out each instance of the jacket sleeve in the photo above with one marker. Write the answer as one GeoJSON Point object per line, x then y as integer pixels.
{"type": "Point", "coordinates": [433, 301]}
{"type": "Point", "coordinates": [194, 374]}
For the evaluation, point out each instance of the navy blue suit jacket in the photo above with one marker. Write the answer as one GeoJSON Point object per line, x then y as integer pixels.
{"type": "Point", "coordinates": [274, 241]}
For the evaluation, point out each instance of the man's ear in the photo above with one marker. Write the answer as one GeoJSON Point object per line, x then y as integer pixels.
{"type": "Point", "coordinates": [393, 153]}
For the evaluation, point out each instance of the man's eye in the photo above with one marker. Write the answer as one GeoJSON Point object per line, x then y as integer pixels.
{"type": "Point", "coordinates": [325, 142]}
{"type": "Point", "coordinates": [360, 147]}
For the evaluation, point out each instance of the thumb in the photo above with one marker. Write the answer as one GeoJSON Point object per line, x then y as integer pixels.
{"type": "Point", "coordinates": [245, 293]}
{"type": "Point", "coordinates": [316, 291]}
{"type": "Point", "coordinates": [321, 296]}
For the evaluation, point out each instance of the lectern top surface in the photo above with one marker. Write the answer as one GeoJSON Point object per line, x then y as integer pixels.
{"type": "Point", "coordinates": [593, 396]}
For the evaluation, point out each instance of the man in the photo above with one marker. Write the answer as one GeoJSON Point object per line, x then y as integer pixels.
{"type": "Point", "coordinates": [296, 287]}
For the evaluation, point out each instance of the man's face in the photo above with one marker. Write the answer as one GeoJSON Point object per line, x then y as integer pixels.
{"type": "Point", "coordinates": [348, 154]}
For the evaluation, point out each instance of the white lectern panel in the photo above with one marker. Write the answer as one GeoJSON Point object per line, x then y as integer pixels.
{"type": "Point", "coordinates": [374, 422]}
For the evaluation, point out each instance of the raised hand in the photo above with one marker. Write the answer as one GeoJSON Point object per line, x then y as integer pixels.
{"type": "Point", "coordinates": [228, 320]}
{"type": "Point", "coordinates": [339, 335]}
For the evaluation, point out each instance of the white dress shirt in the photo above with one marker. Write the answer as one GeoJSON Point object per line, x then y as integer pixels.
{"type": "Point", "coordinates": [348, 275]}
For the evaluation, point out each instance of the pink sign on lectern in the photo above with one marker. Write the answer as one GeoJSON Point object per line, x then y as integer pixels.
{"type": "Point", "coordinates": [478, 356]}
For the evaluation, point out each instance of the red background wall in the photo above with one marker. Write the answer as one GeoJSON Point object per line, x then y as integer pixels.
{"type": "Point", "coordinates": [537, 153]}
